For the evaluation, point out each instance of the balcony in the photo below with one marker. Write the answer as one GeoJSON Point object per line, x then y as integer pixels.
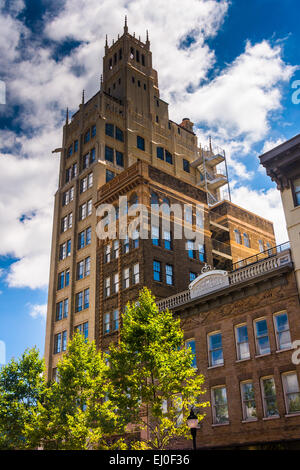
{"type": "Point", "coordinates": [218, 222]}
{"type": "Point", "coordinates": [213, 181]}
{"type": "Point", "coordinates": [275, 259]}
{"type": "Point", "coordinates": [221, 250]}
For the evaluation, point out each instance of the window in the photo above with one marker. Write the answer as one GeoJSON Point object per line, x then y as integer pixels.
{"type": "Point", "coordinates": [116, 283]}
{"type": "Point", "coordinates": [135, 239]}
{"type": "Point", "coordinates": [76, 146]}
{"type": "Point", "coordinates": [269, 397]}
{"type": "Point", "coordinates": [237, 236]}
{"type": "Point", "coordinates": [126, 280]}
{"type": "Point", "coordinates": [201, 252]}
{"type": "Point", "coordinates": [86, 298]}
{"type": "Point", "coordinates": [190, 248]}
{"type": "Point", "coordinates": [60, 342]}
{"type": "Point", "coordinates": [199, 219]}
{"type": "Point", "coordinates": [109, 129]}
{"type": "Point", "coordinates": [83, 329]}
{"type": "Point", "coordinates": [62, 309]}
{"type": "Point", "coordinates": [109, 154]}
{"type": "Point", "coordinates": [68, 196]}
{"type": "Point", "coordinates": [70, 151]}
{"type": "Point", "coordinates": [186, 163]}
{"type": "Point", "coordinates": [169, 274]}
{"type": "Point", "coordinates": [107, 253]}
{"type": "Point", "coordinates": [140, 142]}
{"type": "Point", "coordinates": [192, 276]}
{"type": "Point", "coordinates": [85, 161]}
{"type": "Point", "coordinates": [246, 240]}
{"type": "Point", "coordinates": [119, 135]}
{"type": "Point", "coordinates": [92, 156]}
{"type": "Point", "coordinates": [242, 344]}
{"type": "Point", "coordinates": [248, 401]}
{"type": "Point", "coordinates": [79, 302]}
{"type": "Point", "coordinates": [188, 214]}
{"type": "Point", "coordinates": [119, 158]}
{"type": "Point", "coordinates": [87, 136]}
{"type": "Point", "coordinates": [86, 183]}
{"type": "Point", "coordinates": [126, 245]}
{"type": "Point", "coordinates": [157, 271]}
{"type": "Point", "coordinates": [82, 211]}
{"type": "Point", "coordinates": [219, 405]}
{"type": "Point", "coordinates": [154, 199]}
{"type": "Point", "coordinates": [160, 153]}
{"type": "Point", "coordinates": [215, 349]}
{"type": "Point", "coordinates": [66, 222]}
{"type": "Point", "coordinates": [115, 320]}
{"type": "Point", "coordinates": [192, 344]}
{"type": "Point", "coordinates": [93, 131]}
{"type": "Point", "coordinates": [83, 268]}
{"type": "Point", "coordinates": [107, 287]}
{"type": "Point", "coordinates": [296, 191]}
{"type": "Point", "coordinates": [169, 157]}
{"type": "Point", "coordinates": [167, 240]}
{"type": "Point", "coordinates": [106, 323]}
{"type": "Point", "coordinates": [261, 246]}
{"type": "Point", "coordinates": [262, 337]}
{"type": "Point", "coordinates": [291, 392]}
{"type": "Point", "coordinates": [109, 176]}
{"type": "Point", "coordinates": [84, 238]}
{"type": "Point", "coordinates": [136, 273]}
{"type": "Point", "coordinates": [65, 250]}
{"type": "Point", "coordinates": [63, 279]}
{"type": "Point", "coordinates": [155, 235]}
{"type": "Point", "coordinates": [137, 56]}
{"type": "Point", "coordinates": [116, 249]}
{"type": "Point", "coordinates": [282, 330]}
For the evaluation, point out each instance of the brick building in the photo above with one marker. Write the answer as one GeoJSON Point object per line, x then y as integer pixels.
{"type": "Point", "coordinates": [122, 143]}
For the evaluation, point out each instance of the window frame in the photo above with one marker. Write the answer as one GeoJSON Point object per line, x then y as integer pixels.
{"type": "Point", "coordinates": [236, 327]}
{"type": "Point", "coordinates": [255, 321]}
{"type": "Point", "coordinates": [244, 413]}
{"type": "Point", "coordinates": [275, 315]}
{"type": "Point", "coordinates": [262, 379]}
{"type": "Point", "coordinates": [214, 406]}
{"type": "Point", "coordinates": [209, 335]}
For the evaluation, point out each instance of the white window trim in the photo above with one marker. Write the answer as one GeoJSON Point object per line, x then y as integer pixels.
{"type": "Point", "coordinates": [255, 337]}
{"type": "Point", "coordinates": [214, 423]}
{"type": "Point", "coordinates": [236, 342]}
{"type": "Point", "coordinates": [276, 332]}
{"type": "Point", "coordinates": [212, 333]}
{"type": "Point", "coordinates": [263, 396]}
{"type": "Point", "coordinates": [247, 420]}
{"type": "Point", "coordinates": [283, 375]}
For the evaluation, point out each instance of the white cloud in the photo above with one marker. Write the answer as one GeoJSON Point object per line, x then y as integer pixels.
{"type": "Point", "coordinates": [267, 204]}
{"type": "Point", "coordinates": [38, 311]}
{"type": "Point", "coordinates": [271, 144]}
{"type": "Point", "coordinates": [236, 105]}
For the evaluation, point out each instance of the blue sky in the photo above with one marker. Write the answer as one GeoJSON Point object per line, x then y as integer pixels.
{"type": "Point", "coordinates": [228, 65]}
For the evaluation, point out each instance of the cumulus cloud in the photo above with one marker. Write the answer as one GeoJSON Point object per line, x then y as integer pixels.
{"type": "Point", "coordinates": [38, 311]}
{"type": "Point", "coordinates": [235, 106]}
{"type": "Point", "coordinates": [271, 144]}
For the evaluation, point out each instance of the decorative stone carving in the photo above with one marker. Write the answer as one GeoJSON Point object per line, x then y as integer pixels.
{"type": "Point", "coordinates": [209, 281]}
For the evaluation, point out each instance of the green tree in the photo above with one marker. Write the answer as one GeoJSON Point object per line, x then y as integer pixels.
{"type": "Point", "coordinates": [21, 387]}
{"type": "Point", "coordinates": [75, 412]}
{"type": "Point", "coordinates": [154, 381]}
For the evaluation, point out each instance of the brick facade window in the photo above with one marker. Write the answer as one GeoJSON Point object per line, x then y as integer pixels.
{"type": "Point", "coordinates": [219, 405]}
{"type": "Point", "coordinates": [242, 342]}
{"type": "Point", "coordinates": [262, 337]}
{"type": "Point", "coordinates": [215, 349]}
{"type": "Point", "coordinates": [269, 397]}
{"type": "Point", "coordinates": [282, 330]}
{"type": "Point", "coordinates": [248, 401]}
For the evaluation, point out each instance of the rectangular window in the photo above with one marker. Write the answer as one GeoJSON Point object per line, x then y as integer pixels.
{"type": "Point", "coordinates": [86, 297]}
{"type": "Point", "coordinates": [186, 165]}
{"type": "Point", "coordinates": [167, 240]}
{"type": "Point", "coordinates": [109, 154]}
{"type": "Point", "coordinates": [169, 157]}
{"type": "Point", "coordinates": [282, 329]}
{"type": "Point", "coordinates": [93, 131]}
{"type": "Point", "coordinates": [64, 341]}
{"type": "Point", "coordinates": [89, 206]}
{"type": "Point", "coordinates": [219, 405]}
{"type": "Point", "coordinates": [76, 146]}
{"type": "Point", "coordinates": [79, 302]}
{"type": "Point", "coordinates": [119, 158]}
{"type": "Point", "coordinates": [269, 397]}
{"type": "Point", "coordinates": [136, 273]}
{"type": "Point", "coordinates": [201, 252]}
{"type": "Point", "coordinates": [188, 214]}
{"type": "Point", "coordinates": [57, 343]}
{"type": "Point", "coordinates": [107, 253]}
{"type": "Point", "coordinates": [90, 180]}
{"type": "Point", "coordinates": [92, 156]}
{"type": "Point", "coordinates": [116, 283]}
{"type": "Point", "coordinates": [119, 135]}
{"type": "Point", "coordinates": [115, 320]}
{"type": "Point", "coordinates": [81, 239]}
{"type": "Point", "coordinates": [192, 276]}
{"type": "Point", "coordinates": [85, 161]}
{"type": "Point", "coordinates": [126, 280]}
{"type": "Point", "coordinates": [248, 401]}
{"type": "Point", "coordinates": [296, 191]}
{"type": "Point", "coordinates": [109, 175]}
{"type": "Point", "coordinates": [83, 329]}
{"type": "Point", "coordinates": [82, 211]}
{"type": "Point", "coordinates": [160, 153]}
{"type": "Point", "coordinates": [126, 245]}
{"type": "Point", "coordinates": [261, 246]}
{"type": "Point", "coordinates": [192, 344]}
{"type": "Point", "coordinates": [262, 337]}
{"type": "Point", "coordinates": [87, 136]}
{"type": "Point", "coordinates": [106, 323]}
{"type": "Point", "coordinates": [107, 287]}
{"type": "Point", "coordinates": [291, 392]}
{"type": "Point", "coordinates": [61, 281]}
{"type": "Point", "coordinates": [83, 185]}
{"type": "Point", "coordinates": [155, 235]}
{"type": "Point", "coordinates": [116, 249]}
{"type": "Point", "coordinates": [140, 142]}
{"type": "Point", "coordinates": [215, 349]}
{"type": "Point", "coordinates": [242, 343]}
{"type": "Point", "coordinates": [80, 270]}
{"type": "Point", "coordinates": [59, 311]}
{"type": "Point", "coordinates": [109, 129]}
{"type": "Point", "coordinates": [190, 249]}
{"type": "Point", "coordinates": [157, 271]}
{"type": "Point", "coordinates": [169, 274]}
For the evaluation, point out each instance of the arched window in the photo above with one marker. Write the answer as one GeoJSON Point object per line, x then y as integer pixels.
{"type": "Point", "coordinates": [237, 236]}
{"type": "Point", "coordinates": [246, 240]}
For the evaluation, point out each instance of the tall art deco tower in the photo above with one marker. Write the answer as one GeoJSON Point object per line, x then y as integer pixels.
{"type": "Point", "coordinates": [122, 142]}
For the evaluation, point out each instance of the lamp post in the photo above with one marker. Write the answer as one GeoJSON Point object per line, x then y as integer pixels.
{"type": "Point", "coordinates": [192, 422]}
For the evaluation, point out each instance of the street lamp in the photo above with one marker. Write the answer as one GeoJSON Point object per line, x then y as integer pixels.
{"type": "Point", "coordinates": [192, 422]}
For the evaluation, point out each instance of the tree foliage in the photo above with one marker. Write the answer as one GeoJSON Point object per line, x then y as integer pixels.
{"type": "Point", "coordinates": [154, 383]}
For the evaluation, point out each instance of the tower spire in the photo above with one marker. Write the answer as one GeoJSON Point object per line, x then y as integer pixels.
{"type": "Point", "coordinates": [147, 39]}
{"type": "Point", "coordinates": [82, 102]}
{"type": "Point", "coordinates": [125, 25]}
{"type": "Point", "coordinates": [106, 44]}
{"type": "Point", "coordinates": [67, 116]}
{"type": "Point", "coordinates": [101, 81]}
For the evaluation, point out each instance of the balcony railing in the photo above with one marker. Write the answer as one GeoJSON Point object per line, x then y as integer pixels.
{"type": "Point", "coordinates": [261, 256]}
{"type": "Point", "coordinates": [279, 256]}
{"type": "Point", "coordinates": [221, 247]}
